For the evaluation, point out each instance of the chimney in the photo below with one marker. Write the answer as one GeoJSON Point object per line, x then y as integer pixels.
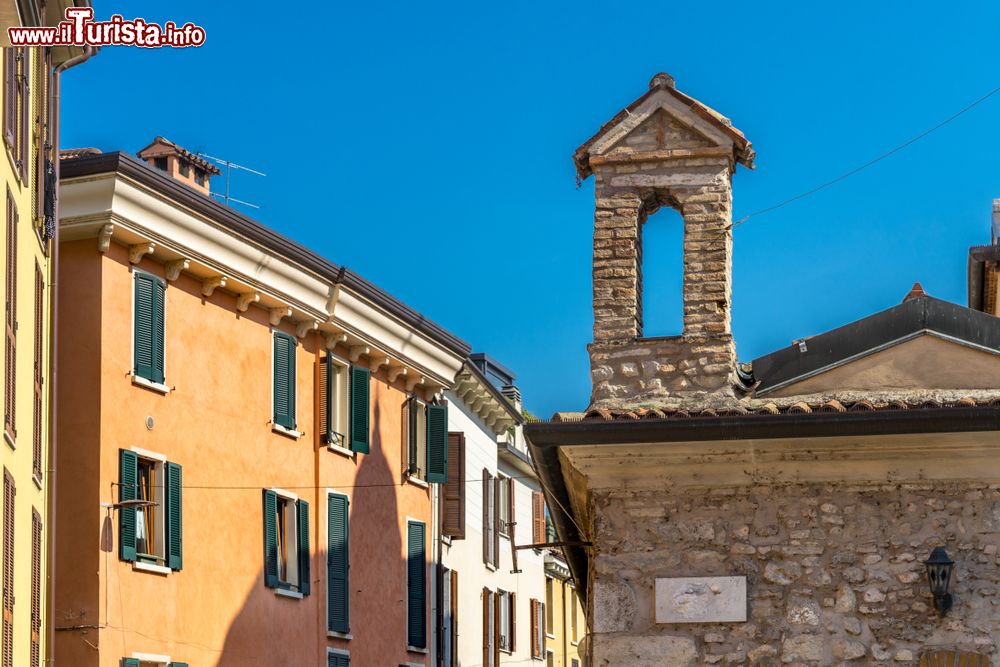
{"type": "Point", "coordinates": [664, 149]}
{"type": "Point", "coordinates": [180, 164]}
{"type": "Point", "coordinates": [996, 221]}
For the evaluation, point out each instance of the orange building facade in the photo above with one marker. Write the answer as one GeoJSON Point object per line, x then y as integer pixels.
{"type": "Point", "coordinates": [237, 419]}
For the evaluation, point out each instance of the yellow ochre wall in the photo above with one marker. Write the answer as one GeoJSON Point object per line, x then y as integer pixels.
{"type": "Point", "coordinates": [17, 459]}
{"type": "Point", "coordinates": [559, 639]}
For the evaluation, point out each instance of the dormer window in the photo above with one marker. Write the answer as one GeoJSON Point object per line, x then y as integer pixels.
{"type": "Point", "coordinates": [160, 163]}
{"type": "Point", "coordinates": [185, 169]}
{"type": "Point", "coordinates": [199, 176]}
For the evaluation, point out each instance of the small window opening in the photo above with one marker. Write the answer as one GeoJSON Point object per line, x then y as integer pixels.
{"type": "Point", "coordinates": [662, 274]}
{"type": "Point", "coordinates": [160, 163]}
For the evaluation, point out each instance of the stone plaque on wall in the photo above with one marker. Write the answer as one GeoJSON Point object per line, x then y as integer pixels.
{"type": "Point", "coordinates": [701, 600]}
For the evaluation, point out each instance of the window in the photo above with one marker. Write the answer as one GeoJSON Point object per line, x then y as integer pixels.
{"type": "Point", "coordinates": [574, 604]}
{"type": "Point", "coordinates": [10, 347]}
{"type": "Point", "coordinates": [36, 587]}
{"type": "Point", "coordinates": [506, 609]}
{"type": "Point", "coordinates": [661, 304]}
{"type": "Point", "coordinates": [148, 327]}
{"type": "Point", "coordinates": [17, 116]}
{"type": "Point", "coordinates": [160, 163]}
{"type": "Point", "coordinates": [537, 629]}
{"type": "Point", "coordinates": [550, 623]}
{"type": "Point", "coordinates": [199, 176]}
{"type": "Point", "coordinates": [7, 640]}
{"type": "Point", "coordinates": [538, 534]}
{"type": "Point", "coordinates": [505, 491]}
{"type": "Point", "coordinates": [550, 659]}
{"type": "Point", "coordinates": [550, 527]}
{"type": "Point", "coordinates": [183, 168]}
{"type": "Point", "coordinates": [150, 523]}
{"type": "Point", "coordinates": [344, 404]}
{"type": "Point", "coordinates": [143, 662]}
{"type": "Point", "coordinates": [491, 539]}
{"type": "Point", "coordinates": [338, 564]}
{"type": "Point", "coordinates": [449, 618]}
{"type": "Point", "coordinates": [286, 542]}
{"type": "Point", "coordinates": [416, 585]}
{"type": "Point", "coordinates": [284, 381]}
{"type": "Point", "coordinates": [453, 492]}
{"type": "Point", "coordinates": [491, 650]}
{"type": "Point", "coordinates": [334, 401]}
{"type": "Point", "coordinates": [426, 440]}
{"type": "Point", "coordinates": [574, 662]}
{"type": "Point", "coordinates": [37, 417]}
{"type": "Point", "coordinates": [337, 658]}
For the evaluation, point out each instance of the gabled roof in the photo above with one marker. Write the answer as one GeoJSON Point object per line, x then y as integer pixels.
{"type": "Point", "coordinates": [663, 83]}
{"type": "Point", "coordinates": [919, 314]}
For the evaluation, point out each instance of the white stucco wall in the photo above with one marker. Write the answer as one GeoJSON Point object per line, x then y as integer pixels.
{"type": "Point", "coordinates": [466, 556]}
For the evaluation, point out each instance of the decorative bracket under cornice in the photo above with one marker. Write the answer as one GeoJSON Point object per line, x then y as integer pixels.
{"type": "Point", "coordinates": [412, 383]}
{"type": "Point", "coordinates": [395, 372]}
{"type": "Point", "coordinates": [244, 300]}
{"type": "Point", "coordinates": [277, 314]}
{"type": "Point", "coordinates": [357, 351]}
{"type": "Point", "coordinates": [208, 285]}
{"type": "Point", "coordinates": [136, 251]}
{"type": "Point", "coordinates": [104, 237]}
{"type": "Point", "coordinates": [305, 326]}
{"type": "Point", "coordinates": [376, 363]}
{"type": "Point", "coordinates": [332, 339]}
{"type": "Point", "coordinates": [173, 269]}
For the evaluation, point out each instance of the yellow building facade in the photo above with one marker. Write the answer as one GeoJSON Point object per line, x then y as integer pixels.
{"type": "Point", "coordinates": [565, 625]}
{"type": "Point", "coordinates": [28, 135]}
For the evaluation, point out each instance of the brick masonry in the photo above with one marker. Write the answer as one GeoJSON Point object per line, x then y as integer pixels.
{"type": "Point", "coordinates": [835, 573]}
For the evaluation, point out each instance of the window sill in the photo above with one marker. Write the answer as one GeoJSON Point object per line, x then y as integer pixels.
{"type": "Point", "coordinates": [416, 481]}
{"type": "Point", "coordinates": [550, 636]}
{"type": "Point", "coordinates": [37, 480]}
{"type": "Point", "coordinates": [150, 567]}
{"type": "Point", "coordinates": [285, 593]}
{"type": "Point", "coordinates": [9, 439]}
{"type": "Point", "coordinates": [149, 384]}
{"type": "Point", "coordinates": [287, 432]}
{"type": "Point", "coordinates": [491, 567]}
{"type": "Point", "coordinates": [507, 651]}
{"type": "Point", "coordinates": [339, 635]}
{"type": "Point", "coordinates": [446, 540]}
{"type": "Point", "coordinates": [343, 451]}
{"type": "Point", "coordinates": [416, 649]}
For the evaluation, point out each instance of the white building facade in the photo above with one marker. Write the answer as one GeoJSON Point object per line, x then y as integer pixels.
{"type": "Point", "coordinates": [491, 595]}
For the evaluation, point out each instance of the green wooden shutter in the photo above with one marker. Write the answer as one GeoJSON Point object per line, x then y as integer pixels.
{"type": "Point", "coordinates": [305, 577]}
{"type": "Point", "coordinates": [360, 380]}
{"type": "Point", "coordinates": [411, 436]}
{"type": "Point", "coordinates": [174, 514]}
{"type": "Point", "coordinates": [337, 565]}
{"type": "Point", "coordinates": [416, 585]}
{"type": "Point", "coordinates": [270, 539]}
{"type": "Point", "coordinates": [178, 664]}
{"type": "Point", "coordinates": [337, 660]}
{"type": "Point", "coordinates": [159, 295]}
{"type": "Point", "coordinates": [326, 375]}
{"type": "Point", "coordinates": [130, 662]}
{"type": "Point", "coordinates": [284, 380]}
{"type": "Point", "coordinates": [128, 464]}
{"type": "Point", "coordinates": [437, 443]}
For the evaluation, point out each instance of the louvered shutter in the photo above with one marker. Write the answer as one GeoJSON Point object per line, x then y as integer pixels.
{"type": "Point", "coordinates": [24, 116]}
{"type": "Point", "coordinates": [411, 436]}
{"type": "Point", "coordinates": [454, 620]}
{"type": "Point", "coordinates": [149, 327]}
{"type": "Point", "coordinates": [416, 576]}
{"type": "Point", "coordinates": [487, 627]}
{"type": "Point", "coordinates": [360, 380]}
{"type": "Point", "coordinates": [10, 347]}
{"type": "Point", "coordinates": [541, 628]}
{"type": "Point", "coordinates": [305, 575]}
{"type": "Point", "coordinates": [178, 664]}
{"type": "Point", "coordinates": [10, 96]}
{"type": "Point", "coordinates": [270, 539]}
{"type": "Point", "coordinates": [36, 587]}
{"type": "Point", "coordinates": [130, 662]}
{"type": "Point", "coordinates": [7, 641]}
{"type": "Point", "coordinates": [325, 397]}
{"type": "Point", "coordinates": [128, 464]}
{"type": "Point", "coordinates": [174, 516]}
{"type": "Point", "coordinates": [487, 538]}
{"type": "Point", "coordinates": [513, 621]}
{"type": "Point", "coordinates": [337, 660]}
{"type": "Point", "coordinates": [496, 520]}
{"type": "Point", "coordinates": [496, 629]}
{"type": "Point", "coordinates": [437, 443]}
{"type": "Point", "coordinates": [453, 493]}
{"type": "Point", "coordinates": [284, 380]}
{"type": "Point", "coordinates": [338, 564]}
{"type": "Point", "coordinates": [537, 518]}
{"type": "Point", "coordinates": [511, 510]}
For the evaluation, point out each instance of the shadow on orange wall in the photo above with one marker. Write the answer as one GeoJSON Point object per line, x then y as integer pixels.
{"type": "Point", "coordinates": [272, 630]}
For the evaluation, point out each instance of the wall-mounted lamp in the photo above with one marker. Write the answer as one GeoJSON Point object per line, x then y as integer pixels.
{"type": "Point", "coordinates": [939, 567]}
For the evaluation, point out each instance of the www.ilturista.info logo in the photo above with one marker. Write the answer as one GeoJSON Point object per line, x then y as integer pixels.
{"type": "Point", "coordinates": [80, 29]}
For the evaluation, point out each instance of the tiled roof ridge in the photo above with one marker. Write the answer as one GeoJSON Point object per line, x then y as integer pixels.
{"type": "Point", "coordinates": [850, 402]}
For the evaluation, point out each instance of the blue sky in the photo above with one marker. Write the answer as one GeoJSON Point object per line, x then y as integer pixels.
{"type": "Point", "coordinates": [428, 147]}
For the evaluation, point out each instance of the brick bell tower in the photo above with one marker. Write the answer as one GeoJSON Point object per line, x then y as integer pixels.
{"type": "Point", "coordinates": [664, 149]}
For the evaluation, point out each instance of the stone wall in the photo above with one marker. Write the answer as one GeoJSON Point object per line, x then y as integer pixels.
{"type": "Point", "coordinates": [627, 369]}
{"type": "Point", "coordinates": [834, 572]}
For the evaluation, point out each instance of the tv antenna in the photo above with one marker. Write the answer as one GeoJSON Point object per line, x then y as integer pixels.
{"type": "Point", "coordinates": [229, 167]}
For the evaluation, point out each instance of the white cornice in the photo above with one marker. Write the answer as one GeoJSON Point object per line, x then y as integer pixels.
{"type": "Point", "coordinates": [114, 207]}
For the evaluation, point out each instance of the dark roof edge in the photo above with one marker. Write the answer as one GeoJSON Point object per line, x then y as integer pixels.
{"type": "Point", "coordinates": [494, 392]}
{"type": "Point", "coordinates": [134, 168]}
{"type": "Point", "coordinates": [765, 427]}
{"type": "Point", "coordinates": [549, 471]}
